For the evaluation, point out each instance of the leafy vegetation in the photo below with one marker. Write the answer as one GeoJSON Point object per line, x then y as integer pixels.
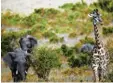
{"type": "Point", "coordinates": [44, 59]}
{"type": "Point", "coordinates": [79, 60]}
{"type": "Point", "coordinates": [87, 40]}
{"type": "Point", "coordinates": [108, 30]}
{"type": "Point", "coordinates": [106, 5]}
{"type": "Point", "coordinates": [66, 50]}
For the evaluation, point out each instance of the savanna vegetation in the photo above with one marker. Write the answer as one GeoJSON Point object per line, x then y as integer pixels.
{"type": "Point", "coordinates": [62, 62]}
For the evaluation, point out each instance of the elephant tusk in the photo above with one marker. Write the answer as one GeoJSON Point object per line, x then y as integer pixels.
{"type": "Point", "coordinates": [16, 71]}
{"type": "Point", "coordinates": [26, 72]}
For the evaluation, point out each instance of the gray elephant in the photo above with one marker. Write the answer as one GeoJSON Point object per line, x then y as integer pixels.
{"type": "Point", "coordinates": [27, 43]}
{"type": "Point", "coordinates": [18, 59]}
{"type": "Point", "coordinates": [86, 48]}
{"type": "Point", "coordinates": [17, 62]}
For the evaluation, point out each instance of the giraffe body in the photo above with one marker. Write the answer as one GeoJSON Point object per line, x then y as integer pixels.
{"type": "Point", "coordinates": [99, 62]}
{"type": "Point", "coordinates": [100, 57]}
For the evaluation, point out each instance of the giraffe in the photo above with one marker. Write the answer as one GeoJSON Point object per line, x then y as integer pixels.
{"type": "Point", "coordinates": [100, 56]}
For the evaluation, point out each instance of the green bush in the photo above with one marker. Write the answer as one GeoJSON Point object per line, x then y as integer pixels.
{"type": "Point", "coordinates": [55, 39]}
{"type": "Point", "coordinates": [108, 30]}
{"type": "Point", "coordinates": [67, 6]}
{"type": "Point", "coordinates": [48, 34]}
{"type": "Point", "coordinates": [87, 40]}
{"type": "Point", "coordinates": [79, 60]}
{"type": "Point", "coordinates": [75, 6]}
{"type": "Point", "coordinates": [46, 11]}
{"type": "Point", "coordinates": [77, 47]}
{"type": "Point", "coordinates": [109, 46]}
{"type": "Point", "coordinates": [44, 59]}
{"type": "Point", "coordinates": [8, 42]}
{"type": "Point", "coordinates": [110, 76]}
{"type": "Point", "coordinates": [105, 5]}
{"type": "Point", "coordinates": [74, 61]}
{"type": "Point", "coordinates": [39, 11]}
{"type": "Point", "coordinates": [73, 34]}
{"type": "Point", "coordinates": [10, 19]}
{"type": "Point", "coordinates": [66, 50]}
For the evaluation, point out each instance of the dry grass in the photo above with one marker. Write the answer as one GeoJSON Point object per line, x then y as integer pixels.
{"type": "Point", "coordinates": [6, 77]}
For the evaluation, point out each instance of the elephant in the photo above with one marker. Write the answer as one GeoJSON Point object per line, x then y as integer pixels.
{"type": "Point", "coordinates": [86, 48]}
{"type": "Point", "coordinates": [17, 62]}
{"type": "Point", "coordinates": [27, 43]}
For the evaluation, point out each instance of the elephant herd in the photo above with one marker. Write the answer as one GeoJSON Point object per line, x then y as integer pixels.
{"type": "Point", "coordinates": [18, 59]}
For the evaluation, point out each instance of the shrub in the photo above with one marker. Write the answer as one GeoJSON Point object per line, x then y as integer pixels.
{"type": "Point", "coordinates": [74, 61]}
{"type": "Point", "coordinates": [46, 11]}
{"type": "Point", "coordinates": [66, 50]}
{"type": "Point", "coordinates": [67, 6]}
{"type": "Point", "coordinates": [51, 11]}
{"type": "Point", "coordinates": [8, 42]}
{"type": "Point", "coordinates": [108, 30]}
{"type": "Point", "coordinates": [87, 40]}
{"type": "Point", "coordinates": [106, 5]}
{"type": "Point", "coordinates": [79, 60]}
{"type": "Point", "coordinates": [109, 77]}
{"type": "Point", "coordinates": [77, 47]}
{"type": "Point", "coordinates": [109, 46]}
{"type": "Point", "coordinates": [73, 34]}
{"type": "Point", "coordinates": [44, 60]}
{"type": "Point", "coordinates": [10, 19]}
{"type": "Point", "coordinates": [48, 34]}
{"type": "Point", "coordinates": [55, 39]}
{"type": "Point", "coordinates": [39, 11]}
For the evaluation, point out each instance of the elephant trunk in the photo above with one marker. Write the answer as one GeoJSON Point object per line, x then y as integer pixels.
{"type": "Point", "coordinates": [21, 70]}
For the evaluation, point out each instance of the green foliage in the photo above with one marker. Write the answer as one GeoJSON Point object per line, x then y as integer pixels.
{"type": "Point", "coordinates": [77, 47]}
{"type": "Point", "coordinates": [66, 50]}
{"type": "Point", "coordinates": [39, 11]}
{"type": "Point", "coordinates": [105, 5]}
{"type": "Point", "coordinates": [87, 40]}
{"type": "Point", "coordinates": [71, 6]}
{"type": "Point", "coordinates": [8, 42]}
{"type": "Point", "coordinates": [109, 46]}
{"type": "Point", "coordinates": [110, 76]}
{"type": "Point", "coordinates": [73, 34]}
{"type": "Point", "coordinates": [79, 60]}
{"type": "Point", "coordinates": [55, 39]}
{"type": "Point", "coordinates": [44, 60]}
{"type": "Point", "coordinates": [10, 19]}
{"type": "Point", "coordinates": [67, 6]}
{"type": "Point", "coordinates": [46, 11]}
{"type": "Point", "coordinates": [48, 34]}
{"type": "Point", "coordinates": [108, 30]}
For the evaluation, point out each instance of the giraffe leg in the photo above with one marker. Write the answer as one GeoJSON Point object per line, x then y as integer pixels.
{"type": "Point", "coordinates": [96, 75]}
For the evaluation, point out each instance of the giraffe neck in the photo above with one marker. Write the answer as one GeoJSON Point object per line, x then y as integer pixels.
{"type": "Point", "coordinates": [97, 37]}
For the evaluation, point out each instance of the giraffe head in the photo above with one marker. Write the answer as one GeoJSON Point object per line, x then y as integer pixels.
{"type": "Point", "coordinates": [96, 17]}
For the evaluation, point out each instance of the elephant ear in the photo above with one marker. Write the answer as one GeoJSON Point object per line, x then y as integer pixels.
{"type": "Point", "coordinates": [32, 40]}
{"type": "Point", "coordinates": [9, 58]}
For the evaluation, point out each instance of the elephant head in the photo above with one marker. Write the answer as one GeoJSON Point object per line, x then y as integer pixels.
{"type": "Point", "coordinates": [27, 43]}
{"type": "Point", "coordinates": [17, 63]}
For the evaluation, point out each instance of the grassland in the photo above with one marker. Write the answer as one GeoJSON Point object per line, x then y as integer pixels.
{"type": "Point", "coordinates": [47, 23]}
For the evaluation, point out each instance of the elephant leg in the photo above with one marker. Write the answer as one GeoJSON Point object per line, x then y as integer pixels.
{"type": "Point", "coordinates": [14, 75]}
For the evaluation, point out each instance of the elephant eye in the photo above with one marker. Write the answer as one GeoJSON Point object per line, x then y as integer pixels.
{"type": "Point", "coordinates": [29, 45]}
